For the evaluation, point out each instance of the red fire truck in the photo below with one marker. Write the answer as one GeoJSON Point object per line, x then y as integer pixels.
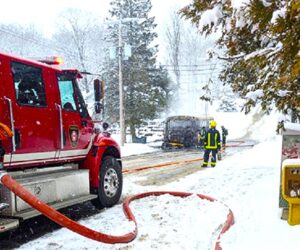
{"type": "Point", "coordinates": [55, 151]}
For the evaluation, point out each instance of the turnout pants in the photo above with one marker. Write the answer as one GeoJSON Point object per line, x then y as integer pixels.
{"type": "Point", "coordinates": [213, 157]}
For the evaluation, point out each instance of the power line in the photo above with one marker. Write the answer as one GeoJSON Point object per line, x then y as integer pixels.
{"type": "Point", "coordinates": [195, 70]}
{"type": "Point", "coordinates": [206, 68]}
{"type": "Point", "coordinates": [44, 44]}
{"type": "Point", "coordinates": [193, 65]}
{"type": "Point", "coordinates": [38, 42]}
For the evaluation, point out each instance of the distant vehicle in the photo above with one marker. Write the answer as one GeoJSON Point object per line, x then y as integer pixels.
{"type": "Point", "coordinates": [144, 131]}
{"type": "Point", "coordinates": [151, 128]}
{"type": "Point", "coordinates": [182, 131]}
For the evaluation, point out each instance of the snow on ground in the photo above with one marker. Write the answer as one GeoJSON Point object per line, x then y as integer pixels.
{"type": "Point", "coordinates": [247, 182]}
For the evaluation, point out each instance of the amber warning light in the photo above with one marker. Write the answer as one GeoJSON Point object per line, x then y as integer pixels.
{"type": "Point", "coordinates": [52, 60]}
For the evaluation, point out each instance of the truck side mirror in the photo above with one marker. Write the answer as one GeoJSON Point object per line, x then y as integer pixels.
{"type": "Point", "coordinates": [98, 89]}
{"type": "Point", "coordinates": [99, 93]}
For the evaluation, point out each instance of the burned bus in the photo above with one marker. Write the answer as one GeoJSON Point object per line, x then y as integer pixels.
{"type": "Point", "coordinates": [182, 131]}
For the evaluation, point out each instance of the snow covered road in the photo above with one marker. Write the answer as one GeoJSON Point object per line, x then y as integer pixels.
{"type": "Point", "coordinates": [248, 182]}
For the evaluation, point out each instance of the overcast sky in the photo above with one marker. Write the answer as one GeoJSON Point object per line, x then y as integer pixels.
{"type": "Point", "coordinates": [43, 14]}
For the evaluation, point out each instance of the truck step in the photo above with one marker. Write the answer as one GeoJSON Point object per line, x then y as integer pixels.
{"type": "Point", "coordinates": [3, 206]}
{"type": "Point", "coordinates": [57, 187]}
{"type": "Point", "coordinates": [31, 213]}
{"type": "Point", "coordinates": [8, 224]}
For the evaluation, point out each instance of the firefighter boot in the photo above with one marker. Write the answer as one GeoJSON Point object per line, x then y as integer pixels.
{"type": "Point", "coordinates": [204, 165]}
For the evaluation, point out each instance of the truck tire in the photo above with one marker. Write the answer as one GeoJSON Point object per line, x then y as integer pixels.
{"type": "Point", "coordinates": [110, 183]}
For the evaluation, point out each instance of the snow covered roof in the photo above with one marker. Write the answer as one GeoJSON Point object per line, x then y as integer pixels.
{"type": "Point", "coordinates": [291, 128]}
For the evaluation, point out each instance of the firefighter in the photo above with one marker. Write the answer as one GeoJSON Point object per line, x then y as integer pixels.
{"type": "Point", "coordinates": [201, 137]}
{"type": "Point", "coordinates": [224, 135]}
{"type": "Point", "coordinates": [212, 144]}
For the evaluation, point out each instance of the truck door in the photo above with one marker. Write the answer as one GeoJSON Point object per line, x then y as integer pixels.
{"type": "Point", "coordinates": [76, 124]}
{"type": "Point", "coordinates": [4, 107]}
{"type": "Point", "coordinates": [34, 115]}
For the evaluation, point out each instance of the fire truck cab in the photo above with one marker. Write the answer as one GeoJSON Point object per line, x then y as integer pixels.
{"type": "Point", "coordinates": [55, 151]}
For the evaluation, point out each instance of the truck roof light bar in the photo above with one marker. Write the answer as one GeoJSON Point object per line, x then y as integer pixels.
{"type": "Point", "coordinates": [51, 60]}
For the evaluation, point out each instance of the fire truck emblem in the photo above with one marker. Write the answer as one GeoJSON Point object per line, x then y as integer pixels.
{"type": "Point", "coordinates": [73, 134]}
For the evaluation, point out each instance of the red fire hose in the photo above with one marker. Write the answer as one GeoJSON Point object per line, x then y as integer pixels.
{"type": "Point", "coordinates": [64, 221]}
{"type": "Point", "coordinates": [227, 224]}
{"type": "Point", "coordinates": [132, 170]}
{"type": "Point", "coordinates": [160, 165]}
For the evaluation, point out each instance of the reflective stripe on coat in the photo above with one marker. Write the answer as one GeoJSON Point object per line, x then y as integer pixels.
{"type": "Point", "coordinates": [212, 139]}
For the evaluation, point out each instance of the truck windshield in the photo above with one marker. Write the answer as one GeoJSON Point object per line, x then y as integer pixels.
{"type": "Point", "coordinates": [67, 95]}
{"type": "Point", "coordinates": [180, 123]}
{"type": "Point", "coordinates": [71, 97]}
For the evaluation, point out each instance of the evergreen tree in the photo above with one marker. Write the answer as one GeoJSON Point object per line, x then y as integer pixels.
{"type": "Point", "coordinates": [262, 42]}
{"type": "Point", "coordinates": [227, 100]}
{"type": "Point", "coordinates": [145, 84]}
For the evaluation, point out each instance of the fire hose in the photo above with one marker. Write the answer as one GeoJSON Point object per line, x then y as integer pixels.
{"type": "Point", "coordinates": [126, 171]}
{"type": "Point", "coordinates": [5, 132]}
{"type": "Point", "coordinates": [64, 221]}
{"type": "Point", "coordinates": [160, 165]}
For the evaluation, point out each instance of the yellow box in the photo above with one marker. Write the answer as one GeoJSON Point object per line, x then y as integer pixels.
{"type": "Point", "coordinates": [291, 188]}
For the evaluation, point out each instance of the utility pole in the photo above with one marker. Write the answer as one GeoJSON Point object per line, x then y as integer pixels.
{"type": "Point", "coordinates": [121, 90]}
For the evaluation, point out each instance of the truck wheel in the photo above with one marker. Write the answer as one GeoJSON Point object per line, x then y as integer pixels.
{"type": "Point", "coordinates": [110, 183]}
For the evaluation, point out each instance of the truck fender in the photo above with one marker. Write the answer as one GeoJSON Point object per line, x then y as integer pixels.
{"type": "Point", "coordinates": [102, 146]}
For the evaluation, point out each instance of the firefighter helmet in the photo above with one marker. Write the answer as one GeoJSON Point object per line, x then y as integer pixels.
{"type": "Point", "coordinates": [212, 124]}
